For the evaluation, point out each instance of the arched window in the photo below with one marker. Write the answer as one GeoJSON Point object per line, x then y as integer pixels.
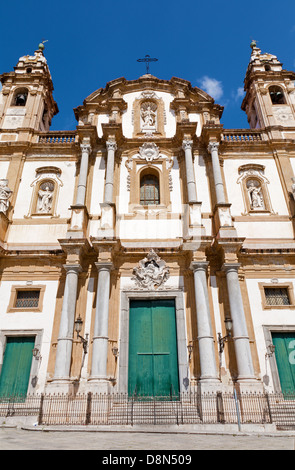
{"type": "Point", "coordinates": [149, 190]}
{"type": "Point", "coordinates": [20, 97]}
{"type": "Point", "coordinates": [277, 95]}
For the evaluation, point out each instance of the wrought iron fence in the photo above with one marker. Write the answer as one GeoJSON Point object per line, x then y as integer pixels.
{"type": "Point", "coordinates": [185, 408]}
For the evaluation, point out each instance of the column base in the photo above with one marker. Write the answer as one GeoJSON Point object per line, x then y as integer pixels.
{"type": "Point", "coordinates": [99, 385]}
{"type": "Point", "coordinates": [246, 385]}
{"type": "Point", "coordinates": [62, 385]}
{"type": "Point", "coordinates": [210, 386]}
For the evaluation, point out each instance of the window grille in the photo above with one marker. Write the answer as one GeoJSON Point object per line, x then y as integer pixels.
{"type": "Point", "coordinates": [277, 296]}
{"type": "Point", "coordinates": [149, 190]}
{"type": "Point", "coordinates": [27, 299]}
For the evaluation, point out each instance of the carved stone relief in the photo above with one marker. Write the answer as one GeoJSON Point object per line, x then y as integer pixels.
{"type": "Point", "coordinates": [151, 273]}
{"type": "Point", "coordinates": [5, 194]}
{"type": "Point", "coordinates": [149, 151]}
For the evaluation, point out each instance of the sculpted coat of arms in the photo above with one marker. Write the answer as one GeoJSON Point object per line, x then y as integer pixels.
{"type": "Point", "coordinates": [151, 272]}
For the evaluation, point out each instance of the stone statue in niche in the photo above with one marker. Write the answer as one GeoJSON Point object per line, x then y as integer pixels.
{"type": "Point", "coordinates": [151, 272]}
{"type": "Point", "coordinates": [255, 195]}
{"type": "Point", "coordinates": [5, 194]}
{"type": "Point", "coordinates": [148, 114]}
{"type": "Point", "coordinates": [45, 197]}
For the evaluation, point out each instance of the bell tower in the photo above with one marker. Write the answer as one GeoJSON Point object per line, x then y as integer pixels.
{"type": "Point", "coordinates": [26, 99]}
{"type": "Point", "coordinates": [270, 92]}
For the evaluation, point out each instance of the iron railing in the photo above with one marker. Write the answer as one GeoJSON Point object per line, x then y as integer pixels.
{"type": "Point", "coordinates": [185, 408]}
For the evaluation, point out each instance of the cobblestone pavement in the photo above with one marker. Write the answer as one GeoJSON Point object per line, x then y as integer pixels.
{"type": "Point", "coordinates": [18, 439]}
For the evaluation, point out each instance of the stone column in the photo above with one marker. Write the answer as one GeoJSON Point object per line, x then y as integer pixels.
{"type": "Point", "coordinates": [240, 333]}
{"type": "Point", "coordinates": [205, 336]}
{"type": "Point", "coordinates": [81, 191]}
{"type": "Point", "coordinates": [109, 184]}
{"type": "Point", "coordinates": [187, 146]}
{"type": "Point", "coordinates": [219, 189]}
{"type": "Point", "coordinates": [100, 335]}
{"type": "Point", "coordinates": [66, 328]}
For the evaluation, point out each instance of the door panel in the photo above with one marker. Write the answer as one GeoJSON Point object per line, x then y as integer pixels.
{"type": "Point", "coordinates": [285, 358]}
{"type": "Point", "coordinates": [153, 362]}
{"type": "Point", "coordinates": [15, 373]}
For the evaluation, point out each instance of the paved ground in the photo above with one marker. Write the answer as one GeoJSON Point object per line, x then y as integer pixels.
{"type": "Point", "coordinates": [18, 439]}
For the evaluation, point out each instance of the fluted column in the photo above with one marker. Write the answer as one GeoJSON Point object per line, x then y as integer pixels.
{"type": "Point", "coordinates": [109, 184]}
{"type": "Point", "coordinates": [187, 146]}
{"type": "Point", "coordinates": [219, 189]}
{"type": "Point", "coordinates": [205, 335]}
{"type": "Point", "coordinates": [66, 328]}
{"type": "Point", "coordinates": [240, 332]}
{"type": "Point", "coordinates": [100, 335]}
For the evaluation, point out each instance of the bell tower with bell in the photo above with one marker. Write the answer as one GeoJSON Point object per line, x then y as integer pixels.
{"type": "Point", "coordinates": [26, 99]}
{"type": "Point", "coordinates": [270, 93]}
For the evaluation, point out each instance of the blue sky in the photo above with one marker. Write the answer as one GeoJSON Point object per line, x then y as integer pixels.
{"type": "Point", "coordinates": [91, 43]}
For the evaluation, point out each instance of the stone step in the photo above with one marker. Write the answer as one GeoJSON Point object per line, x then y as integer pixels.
{"type": "Point", "coordinates": [154, 413]}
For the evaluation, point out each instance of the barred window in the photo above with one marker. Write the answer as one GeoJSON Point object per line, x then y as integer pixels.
{"type": "Point", "coordinates": [277, 296]}
{"type": "Point", "coordinates": [149, 190]}
{"type": "Point", "coordinates": [27, 299]}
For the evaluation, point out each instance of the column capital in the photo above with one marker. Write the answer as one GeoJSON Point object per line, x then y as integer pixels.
{"type": "Point", "coordinates": [213, 146]}
{"type": "Point", "coordinates": [227, 267]}
{"type": "Point", "coordinates": [85, 148]}
{"type": "Point", "coordinates": [77, 268]}
{"type": "Point", "coordinates": [111, 145]}
{"type": "Point", "coordinates": [187, 144]}
{"type": "Point", "coordinates": [104, 266]}
{"type": "Point", "coordinates": [199, 266]}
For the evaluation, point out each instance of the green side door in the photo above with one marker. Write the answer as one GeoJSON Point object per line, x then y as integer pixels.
{"type": "Point", "coordinates": [15, 372]}
{"type": "Point", "coordinates": [285, 357]}
{"type": "Point", "coordinates": [153, 361]}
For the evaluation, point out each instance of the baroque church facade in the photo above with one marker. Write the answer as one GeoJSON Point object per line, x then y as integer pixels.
{"type": "Point", "coordinates": [150, 251]}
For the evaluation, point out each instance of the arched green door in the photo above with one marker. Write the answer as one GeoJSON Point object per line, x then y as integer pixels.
{"type": "Point", "coordinates": [153, 361]}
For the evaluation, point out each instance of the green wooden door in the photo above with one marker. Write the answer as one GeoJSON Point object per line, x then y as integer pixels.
{"type": "Point", "coordinates": [285, 357]}
{"type": "Point", "coordinates": [15, 373]}
{"type": "Point", "coordinates": [153, 362]}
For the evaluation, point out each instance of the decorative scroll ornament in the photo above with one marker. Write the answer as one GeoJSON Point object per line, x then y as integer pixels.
{"type": "Point", "coordinates": [149, 151]}
{"type": "Point", "coordinates": [151, 272]}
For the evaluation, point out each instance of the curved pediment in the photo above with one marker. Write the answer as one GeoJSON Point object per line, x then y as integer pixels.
{"type": "Point", "coordinates": [171, 101]}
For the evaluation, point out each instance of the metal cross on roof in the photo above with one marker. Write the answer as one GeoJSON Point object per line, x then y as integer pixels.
{"type": "Point", "coordinates": [147, 59]}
